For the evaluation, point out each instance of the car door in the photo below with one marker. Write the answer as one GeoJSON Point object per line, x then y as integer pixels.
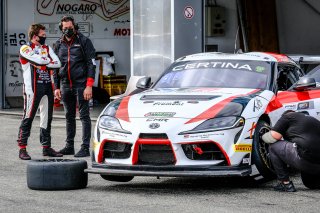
{"type": "Point", "coordinates": [307, 101]}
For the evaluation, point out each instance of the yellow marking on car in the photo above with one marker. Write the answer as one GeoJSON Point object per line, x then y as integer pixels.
{"type": "Point", "coordinates": [242, 148]}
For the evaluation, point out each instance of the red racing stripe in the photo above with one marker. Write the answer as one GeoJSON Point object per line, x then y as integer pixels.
{"type": "Point", "coordinates": [291, 96]}
{"type": "Point", "coordinates": [279, 57]}
{"type": "Point", "coordinates": [122, 112]}
{"type": "Point", "coordinates": [215, 109]}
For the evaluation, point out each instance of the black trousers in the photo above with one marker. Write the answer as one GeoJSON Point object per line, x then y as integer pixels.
{"type": "Point", "coordinates": [283, 153]}
{"type": "Point", "coordinates": [72, 97]}
{"type": "Point", "coordinates": [42, 97]}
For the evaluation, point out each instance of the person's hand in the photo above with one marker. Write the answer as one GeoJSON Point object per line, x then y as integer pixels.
{"type": "Point", "coordinates": [87, 93]}
{"type": "Point", "coordinates": [57, 94]}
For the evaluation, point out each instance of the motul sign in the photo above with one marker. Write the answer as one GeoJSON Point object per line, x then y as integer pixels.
{"type": "Point", "coordinates": [121, 32]}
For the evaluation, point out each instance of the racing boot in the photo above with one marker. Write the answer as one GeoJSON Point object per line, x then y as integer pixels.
{"type": "Point", "coordinates": [285, 187]}
{"type": "Point", "coordinates": [23, 154]}
{"type": "Point", "coordinates": [83, 152]}
{"type": "Point", "coordinates": [51, 152]}
{"type": "Point", "coordinates": [67, 150]}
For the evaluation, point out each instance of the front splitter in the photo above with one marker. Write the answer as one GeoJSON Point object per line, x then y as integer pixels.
{"type": "Point", "coordinates": [170, 171]}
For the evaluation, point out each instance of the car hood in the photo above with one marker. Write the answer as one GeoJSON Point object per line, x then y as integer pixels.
{"type": "Point", "coordinates": [193, 104]}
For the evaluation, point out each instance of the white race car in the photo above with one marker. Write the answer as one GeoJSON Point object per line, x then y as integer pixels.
{"type": "Point", "coordinates": [203, 117]}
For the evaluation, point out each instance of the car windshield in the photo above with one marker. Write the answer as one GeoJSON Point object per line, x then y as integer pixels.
{"type": "Point", "coordinates": [213, 73]}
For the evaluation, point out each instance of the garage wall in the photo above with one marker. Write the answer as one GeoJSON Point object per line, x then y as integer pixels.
{"type": "Point", "coordinates": [226, 42]}
{"type": "Point", "coordinates": [298, 27]}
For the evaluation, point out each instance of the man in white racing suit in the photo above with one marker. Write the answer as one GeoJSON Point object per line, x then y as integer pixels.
{"type": "Point", "coordinates": [36, 60]}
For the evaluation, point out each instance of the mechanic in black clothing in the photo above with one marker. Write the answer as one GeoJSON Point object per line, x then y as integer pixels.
{"type": "Point", "coordinates": [77, 56]}
{"type": "Point", "coordinates": [299, 148]}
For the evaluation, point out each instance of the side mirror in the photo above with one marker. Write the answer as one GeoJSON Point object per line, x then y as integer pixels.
{"type": "Point", "coordinates": [144, 83]}
{"type": "Point", "coordinates": [305, 83]}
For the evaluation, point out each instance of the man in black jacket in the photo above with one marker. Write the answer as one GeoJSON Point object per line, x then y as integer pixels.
{"type": "Point", "coordinates": [299, 147]}
{"type": "Point", "coordinates": [77, 56]}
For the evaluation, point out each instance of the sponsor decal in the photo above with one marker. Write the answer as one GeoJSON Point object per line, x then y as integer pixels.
{"type": "Point", "coordinates": [193, 102]}
{"type": "Point", "coordinates": [306, 105]}
{"type": "Point", "coordinates": [290, 107]}
{"type": "Point", "coordinates": [25, 49]}
{"type": "Point", "coordinates": [114, 134]}
{"type": "Point", "coordinates": [216, 64]}
{"type": "Point", "coordinates": [260, 69]}
{"type": "Point", "coordinates": [154, 125]}
{"type": "Point", "coordinates": [242, 148]}
{"type": "Point", "coordinates": [175, 103]}
{"type": "Point", "coordinates": [201, 136]}
{"type": "Point", "coordinates": [160, 114]}
{"type": "Point", "coordinates": [148, 102]}
{"type": "Point", "coordinates": [257, 104]}
{"type": "Point", "coordinates": [157, 120]}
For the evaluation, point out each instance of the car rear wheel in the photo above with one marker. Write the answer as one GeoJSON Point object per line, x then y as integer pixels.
{"type": "Point", "coordinates": [260, 152]}
{"type": "Point", "coordinates": [117, 178]}
{"type": "Point", "coordinates": [310, 181]}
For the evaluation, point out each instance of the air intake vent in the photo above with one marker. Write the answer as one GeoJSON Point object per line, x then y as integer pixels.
{"type": "Point", "coordinates": [203, 151]}
{"type": "Point", "coordinates": [155, 155]}
{"type": "Point", "coordinates": [116, 150]}
{"type": "Point", "coordinates": [153, 136]}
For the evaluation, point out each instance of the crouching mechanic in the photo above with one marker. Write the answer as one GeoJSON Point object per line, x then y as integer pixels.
{"type": "Point", "coordinates": [299, 147]}
{"type": "Point", "coordinates": [36, 59]}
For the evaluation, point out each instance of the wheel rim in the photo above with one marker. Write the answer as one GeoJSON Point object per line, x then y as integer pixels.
{"type": "Point", "coordinates": [264, 149]}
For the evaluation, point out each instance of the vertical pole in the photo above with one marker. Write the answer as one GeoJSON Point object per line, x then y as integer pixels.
{"type": "Point", "coordinates": [2, 54]}
{"type": "Point", "coordinates": [242, 26]}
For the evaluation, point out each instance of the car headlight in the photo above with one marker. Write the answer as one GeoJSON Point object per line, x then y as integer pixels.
{"type": "Point", "coordinates": [111, 124]}
{"type": "Point", "coordinates": [216, 124]}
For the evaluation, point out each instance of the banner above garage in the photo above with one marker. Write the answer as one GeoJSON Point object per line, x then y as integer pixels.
{"type": "Point", "coordinates": [96, 18]}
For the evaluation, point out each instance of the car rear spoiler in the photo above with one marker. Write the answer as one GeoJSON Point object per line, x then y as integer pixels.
{"type": "Point", "coordinates": [306, 59]}
{"type": "Point", "coordinates": [306, 62]}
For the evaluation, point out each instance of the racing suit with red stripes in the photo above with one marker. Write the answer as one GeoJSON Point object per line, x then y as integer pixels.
{"type": "Point", "coordinates": [36, 61]}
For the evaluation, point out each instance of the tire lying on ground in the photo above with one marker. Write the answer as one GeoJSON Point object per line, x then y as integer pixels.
{"type": "Point", "coordinates": [310, 181]}
{"type": "Point", "coordinates": [117, 178]}
{"type": "Point", "coordinates": [57, 174]}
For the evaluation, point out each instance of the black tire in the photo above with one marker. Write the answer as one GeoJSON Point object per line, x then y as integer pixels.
{"type": "Point", "coordinates": [117, 178]}
{"type": "Point", "coordinates": [310, 181]}
{"type": "Point", "coordinates": [57, 174]}
{"type": "Point", "coordinates": [260, 152]}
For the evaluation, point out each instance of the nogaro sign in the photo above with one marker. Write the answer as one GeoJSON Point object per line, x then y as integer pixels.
{"type": "Point", "coordinates": [96, 18]}
{"type": "Point", "coordinates": [76, 8]}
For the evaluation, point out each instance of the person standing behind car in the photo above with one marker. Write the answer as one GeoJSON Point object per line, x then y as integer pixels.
{"type": "Point", "coordinates": [299, 148]}
{"type": "Point", "coordinates": [36, 60]}
{"type": "Point", "coordinates": [76, 76]}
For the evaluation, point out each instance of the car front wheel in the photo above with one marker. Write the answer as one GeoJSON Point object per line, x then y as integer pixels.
{"type": "Point", "coordinates": [260, 152]}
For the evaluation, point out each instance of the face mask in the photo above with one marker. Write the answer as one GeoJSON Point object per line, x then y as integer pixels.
{"type": "Point", "coordinates": [42, 40]}
{"type": "Point", "coordinates": [68, 32]}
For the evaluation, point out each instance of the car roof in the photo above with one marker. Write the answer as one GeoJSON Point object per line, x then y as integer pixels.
{"type": "Point", "coordinates": [251, 56]}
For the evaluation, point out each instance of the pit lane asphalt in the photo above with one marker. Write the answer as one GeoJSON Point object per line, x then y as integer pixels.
{"type": "Point", "coordinates": [142, 194]}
